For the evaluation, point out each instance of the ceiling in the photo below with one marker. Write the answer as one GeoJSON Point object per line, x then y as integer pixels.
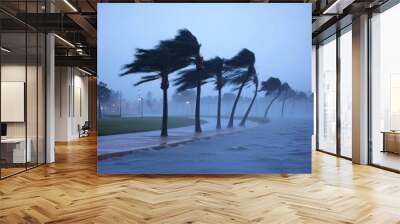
{"type": "Point", "coordinates": [75, 21]}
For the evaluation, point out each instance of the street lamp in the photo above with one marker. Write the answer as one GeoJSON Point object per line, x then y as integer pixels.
{"type": "Point", "coordinates": [140, 99]}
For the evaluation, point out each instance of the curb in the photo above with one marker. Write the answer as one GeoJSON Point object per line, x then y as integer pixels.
{"type": "Point", "coordinates": [162, 146]}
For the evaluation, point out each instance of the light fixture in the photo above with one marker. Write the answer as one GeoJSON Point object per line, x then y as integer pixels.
{"type": "Point", "coordinates": [337, 7]}
{"type": "Point", "coordinates": [70, 5]}
{"type": "Point", "coordinates": [64, 40]}
{"type": "Point", "coordinates": [79, 51]}
{"type": "Point", "coordinates": [5, 50]}
{"type": "Point", "coordinates": [84, 71]}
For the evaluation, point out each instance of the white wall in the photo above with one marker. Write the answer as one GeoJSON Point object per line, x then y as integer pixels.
{"type": "Point", "coordinates": [71, 102]}
{"type": "Point", "coordinates": [17, 73]}
{"type": "Point", "coordinates": [33, 126]}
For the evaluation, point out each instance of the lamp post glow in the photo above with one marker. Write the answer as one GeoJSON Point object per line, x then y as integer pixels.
{"type": "Point", "coordinates": [140, 99]}
{"type": "Point", "coordinates": [188, 107]}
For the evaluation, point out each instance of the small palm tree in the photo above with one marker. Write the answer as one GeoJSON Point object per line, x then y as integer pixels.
{"type": "Point", "coordinates": [271, 86]}
{"type": "Point", "coordinates": [255, 81]}
{"type": "Point", "coordinates": [162, 61]}
{"type": "Point", "coordinates": [299, 96]}
{"type": "Point", "coordinates": [242, 70]}
{"type": "Point", "coordinates": [104, 96]}
{"type": "Point", "coordinates": [287, 93]}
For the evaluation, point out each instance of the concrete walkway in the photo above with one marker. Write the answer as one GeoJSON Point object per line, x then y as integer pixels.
{"type": "Point", "coordinates": [115, 144]}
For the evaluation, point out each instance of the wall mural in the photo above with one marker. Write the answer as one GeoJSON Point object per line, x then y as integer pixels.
{"type": "Point", "coordinates": [204, 88]}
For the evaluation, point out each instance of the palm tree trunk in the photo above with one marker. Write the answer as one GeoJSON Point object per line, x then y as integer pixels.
{"type": "Point", "coordinates": [243, 122]}
{"type": "Point", "coordinates": [219, 110]}
{"type": "Point", "coordinates": [164, 87]}
{"type": "Point", "coordinates": [197, 125]}
{"type": "Point", "coordinates": [230, 124]}
{"type": "Point", "coordinates": [283, 107]}
{"type": "Point", "coordinates": [270, 104]}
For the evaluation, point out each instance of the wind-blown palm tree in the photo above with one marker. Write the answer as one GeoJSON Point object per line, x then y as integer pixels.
{"type": "Point", "coordinates": [299, 96]}
{"type": "Point", "coordinates": [161, 60]}
{"type": "Point", "coordinates": [255, 81]}
{"type": "Point", "coordinates": [189, 79]}
{"type": "Point", "coordinates": [287, 93]}
{"type": "Point", "coordinates": [271, 86]}
{"type": "Point", "coordinates": [215, 67]}
{"type": "Point", "coordinates": [242, 70]}
{"type": "Point", "coordinates": [185, 45]}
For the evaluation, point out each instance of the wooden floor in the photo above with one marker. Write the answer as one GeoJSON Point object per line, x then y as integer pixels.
{"type": "Point", "coordinates": [70, 191]}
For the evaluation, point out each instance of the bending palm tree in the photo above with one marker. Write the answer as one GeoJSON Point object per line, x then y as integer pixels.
{"type": "Point", "coordinates": [189, 79]}
{"type": "Point", "coordinates": [287, 93]}
{"type": "Point", "coordinates": [185, 45]}
{"type": "Point", "coordinates": [215, 66]}
{"type": "Point", "coordinates": [242, 70]}
{"type": "Point", "coordinates": [299, 96]}
{"type": "Point", "coordinates": [255, 81]}
{"type": "Point", "coordinates": [162, 61]}
{"type": "Point", "coordinates": [271, 86]}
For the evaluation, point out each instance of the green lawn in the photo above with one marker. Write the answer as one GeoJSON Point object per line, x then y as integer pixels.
{"type": "Point", "coordinates": [259, 120]}
{"type": "Point", "coordinates": [116, 125]}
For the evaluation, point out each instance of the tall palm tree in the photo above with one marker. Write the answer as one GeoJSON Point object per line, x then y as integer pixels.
{"type": "Point", "coordinates": [185, 45]}
{"type": "Point", "coordinates": [215, 67]}
{"type": "Point", "coordinates": [287, 93]}
{"type": "Point", "coordinates": [189, 79]}
{"type": "Point", "coordinates": [162, 61]}
{"type": "Point", "coordinates": [242, 71]}
{"type": "Point", "coordinates": [271, 86]}
{"type": "Point", "coordinates": [192, 78]}
{"type": "Point", "coordinates": [255, 81]}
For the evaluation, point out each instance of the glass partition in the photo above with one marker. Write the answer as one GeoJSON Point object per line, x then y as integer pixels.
{"type": "Point", "coordinates": [346, 93]}
{"type": "Point", "coordinates": [385, 89]}
{"type": "Point", "coordinates": [31, 99]}
{"type": "Point", "coordinates": [13, 105]}
{"type": "Point", "coordinates": [22, 88]}
{"type": "Point", "coordinates": [327, 95]}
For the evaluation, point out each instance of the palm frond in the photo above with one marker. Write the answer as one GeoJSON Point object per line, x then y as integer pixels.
{"type": "Point", "coordinates": [270, 86]}
{"type": "Point", "coordinates": [184, 44]}
{"type": "Point", "coordinates": [189, 78]}
{"type": "Point", "coordinates": [145, 61]}
{"type": "Point", "coordinates": [243, 59]}
{"type": "Point", "coordinates": [147, 78]}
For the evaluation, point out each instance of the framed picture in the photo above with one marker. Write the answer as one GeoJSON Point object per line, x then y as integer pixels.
{"type": "Point", "coordinates": [204, 88]}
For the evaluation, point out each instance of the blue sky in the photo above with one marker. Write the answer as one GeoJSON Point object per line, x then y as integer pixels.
{"type": "Point", "coordinates": [278, 34]}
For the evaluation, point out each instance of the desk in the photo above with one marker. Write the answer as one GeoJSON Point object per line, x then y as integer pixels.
{"type": "Point", "coordinates": [18, 150]}
{"type": "Point", "coordinates": [391, 141]}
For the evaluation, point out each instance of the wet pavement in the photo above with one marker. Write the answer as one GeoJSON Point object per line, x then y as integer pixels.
{"type": "Point", "coordinates": [281, 146]}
